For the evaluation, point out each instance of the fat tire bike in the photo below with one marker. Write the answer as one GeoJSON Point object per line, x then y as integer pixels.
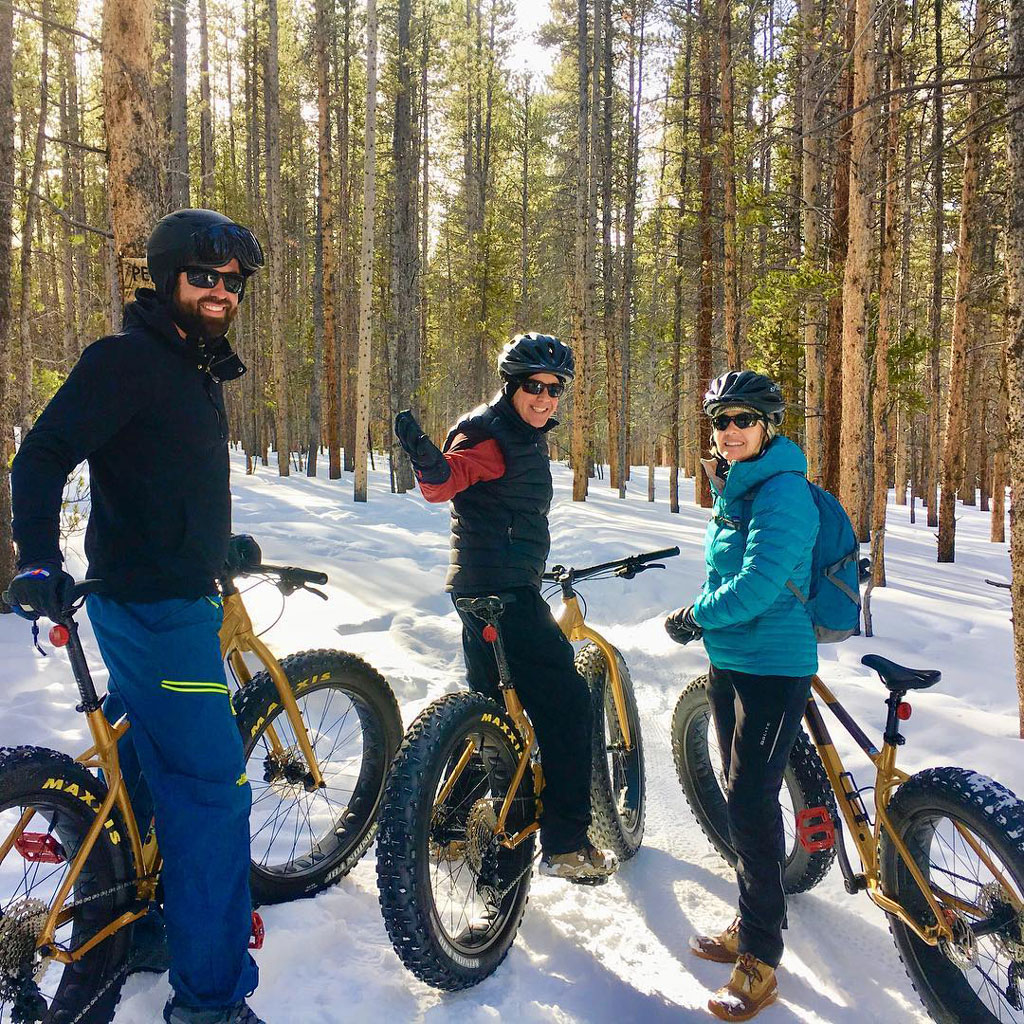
{"type": "Point", "coordinates": [319, 730]}
{"type": "Point", "coordinates": [943, 857]}
{"type": "Point", "coordinates": [455, 849]}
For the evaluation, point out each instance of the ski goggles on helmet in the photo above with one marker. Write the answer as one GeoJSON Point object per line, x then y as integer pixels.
{"type": "Point", "coordinates": [217, 244]}
{"type": "Point", "coordinates": [204, 277]}
{"type": "Point", "coordinates": [537, 387]}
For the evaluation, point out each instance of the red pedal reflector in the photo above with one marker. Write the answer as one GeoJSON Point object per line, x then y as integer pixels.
{"type": "Point", "coordinates": [490, 633]}
{"type": "Point", "coordinates": [903, 711]}
{"type": "Point", "coordinates": [815, 829]}
{"type": "Point", "coordinates": [259, 933]}
{"type": "Point", "coordinates": [59, 635]}
{"type": "Point", "coordinates": [39, 848]}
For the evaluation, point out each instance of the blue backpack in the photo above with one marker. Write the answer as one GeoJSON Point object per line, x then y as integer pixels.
{"type": "Point", "coordinates": [833, 598]}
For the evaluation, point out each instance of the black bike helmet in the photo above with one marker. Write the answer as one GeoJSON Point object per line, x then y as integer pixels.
{"type": "Point", "coordinates": [198, 238]}
{"type": "Point", "coordinates": [532, 353]}
{"type": "Point", "coordinates": [746, 388]}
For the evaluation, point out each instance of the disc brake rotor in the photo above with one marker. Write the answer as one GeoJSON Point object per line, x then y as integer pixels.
{"type": "Point", "coordinates": [20, 927]}
{"type": "Point", "coordinates": [962, 951]}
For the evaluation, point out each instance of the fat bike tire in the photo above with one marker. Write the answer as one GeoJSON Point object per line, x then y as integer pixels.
{"type": "Point", "coordinates": [694, 749]}
{"type": "Point", "coordinates": [304, 840]}
{"type": "Point", "coordinates": [451, 896]}
{"type": "Point", "coordinates": [980, 977]}
{"type": "Point", "coordinates": [618, 789]}
{"type": "Point", "coordinates": [65, 798]}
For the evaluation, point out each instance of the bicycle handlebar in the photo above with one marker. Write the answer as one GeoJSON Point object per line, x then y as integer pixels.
{"type": "Point", "coordinates": [289, 574]}
{"type": "Point", "coordinates": [631, 563]}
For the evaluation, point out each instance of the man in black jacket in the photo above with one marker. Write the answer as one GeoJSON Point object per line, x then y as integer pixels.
{"type": "Point", "coordinates": [495, 471]}
{"type": "Point", "coordinates": [145, 408]}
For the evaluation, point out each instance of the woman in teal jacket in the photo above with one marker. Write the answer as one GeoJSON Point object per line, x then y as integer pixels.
{"type": "Point", "coordinates": [763, 652]}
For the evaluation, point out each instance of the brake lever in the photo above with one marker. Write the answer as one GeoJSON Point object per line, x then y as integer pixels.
{"type": "Point", "coordinates": [313, 590]}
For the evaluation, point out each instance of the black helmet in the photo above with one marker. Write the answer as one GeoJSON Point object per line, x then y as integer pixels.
{"type": "Point", "coordinates": [744, 387]}
{"type": "Point", "coordinates": [198, 238]}
{"type": "Point", "coordinates": [532, 353]}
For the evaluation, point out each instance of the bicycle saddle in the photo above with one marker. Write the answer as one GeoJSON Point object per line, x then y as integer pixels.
{"type": "Point", "coordinates": [488, 608]}
{"type": "Point", "coordinates": [897, 677]}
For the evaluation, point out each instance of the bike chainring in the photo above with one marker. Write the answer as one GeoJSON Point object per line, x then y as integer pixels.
{"type": "Point", "coordinates": [20, 927]}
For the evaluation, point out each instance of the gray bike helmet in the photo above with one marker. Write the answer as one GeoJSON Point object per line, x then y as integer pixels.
{"type": "Point", "coordinates": [532, 353]}
{"type": "Point", "coordinates": [198, 238]}
{"type": "Point", "coordinates": [746, 388]}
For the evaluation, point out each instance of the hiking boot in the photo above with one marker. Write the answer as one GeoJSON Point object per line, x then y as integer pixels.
{"type": "Point", "coordinates": [751, 988]}
{"type": "Point", "coordinates": [240, 1013]}
{"type": "Point", "coordinates": [587, 865]}
{"type": "Point", "coordinates": [723, 948]}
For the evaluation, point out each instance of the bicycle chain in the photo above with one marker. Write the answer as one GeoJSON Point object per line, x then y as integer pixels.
{"type": "Point", "coordinates": [489, 890]}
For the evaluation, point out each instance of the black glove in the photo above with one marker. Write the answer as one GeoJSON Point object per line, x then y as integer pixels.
{"type": "Point", "coordinates": [425, 456]}
{"type": "Point", "coordinates": [41, 589]}
{"type": "Point", "coordinates": [682, 626]}
{"type": "Point", "coordinates": [244, 554]}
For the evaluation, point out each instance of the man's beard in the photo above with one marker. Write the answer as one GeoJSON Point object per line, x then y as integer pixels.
{"type": "Point", "coordinates": [192, 320]}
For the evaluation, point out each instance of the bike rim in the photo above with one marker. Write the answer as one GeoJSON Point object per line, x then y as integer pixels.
{"type": "Point", "coordinates": [625, 771]}
{"type": "Point", "coordinates": [294, 830]}
{"type": "Point", "coordinates": [26, 885]}
{"type": "Point", "coordinates": [961, 879]}
{"type": "Point", "coordinates": [467, 915]}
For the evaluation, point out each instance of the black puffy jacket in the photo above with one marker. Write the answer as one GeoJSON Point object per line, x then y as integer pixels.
{"type": "Point", "coordinates": [500, 532]}
{"type": "Point", "coordinates": [145, 408]}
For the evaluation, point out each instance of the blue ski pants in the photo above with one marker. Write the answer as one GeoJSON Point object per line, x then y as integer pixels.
{"type": "Point", "coordinates": [182, 760]}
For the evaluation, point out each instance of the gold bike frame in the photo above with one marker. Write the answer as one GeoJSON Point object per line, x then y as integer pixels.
{"type": "Point", "coordinates": [570, 622]}
{"type": "Point", "coordinates": [866, 840]}
{"type": "Point", "coordinates": [236, 636]}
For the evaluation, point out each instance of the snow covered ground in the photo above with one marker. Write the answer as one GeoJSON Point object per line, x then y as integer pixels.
{"type": "Point", "coordinates": [618, 953]}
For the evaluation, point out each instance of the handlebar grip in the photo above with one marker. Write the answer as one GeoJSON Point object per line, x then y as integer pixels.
{"type": "Point", "coordinates": [650, 556]}
{"type": "Point", "coordinates": [292, 574]}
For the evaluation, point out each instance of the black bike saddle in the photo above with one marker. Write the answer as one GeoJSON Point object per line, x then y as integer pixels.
{"type": "Point", "coordinates": [488, 608]}
{"type": "Point", "coordinates": [898, 677]}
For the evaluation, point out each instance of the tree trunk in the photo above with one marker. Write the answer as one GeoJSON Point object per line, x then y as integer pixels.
{"type": "Point", "coordinates": [706, 288]}
{"type": "Point", "coordinates": [612, 348]}
{"type": "Point", "coordinates": [277, 279]}
{"type": "Point", "coordinates": [1015, 325]}
{"type": "Point", "coordinates": [366, 256]}
{"type": "Point", "coordinates": [953, 446]}
{"type": "Point", "coordinates": [405, 359]}
{"type": "Point", "coordinates": [935, 319]}
{"type": "Point", "coordinates": [26, 360]}
{"type": "Point", "coordinates": [178, 176]}
{"type": "Point", "coordinates": [857, 281]}
{"type": "Point", "coordinates": [326, 228]}
{"type": "Point", "coordinates": [811, 183]}
{"type": "Point", "coordinates": [133, 177]}
{"type": "Point", "coordinates": [997, 529]}
{"type": "Point", "coordinates": [887, 307]}
{"type": "Point", "coordinates": [832, 419]}
{"type": "Point", "coordinates": [7, 560]}
{"type": "Point", "coordinates": [206, 154]}
{"type": "Point", "coordinates": [348, 347]}
{"type": "Point", "coordinates": [581, 286]}
{"type": "Point", "coordinates": [69, 194]}
{"type": "Point", "coordinates": [730, 278]}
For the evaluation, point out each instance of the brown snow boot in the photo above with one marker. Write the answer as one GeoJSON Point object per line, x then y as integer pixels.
{"type": "Point", "coordinates": [751, 988]}
{"type": "Point", "coordinates": [723, 948]}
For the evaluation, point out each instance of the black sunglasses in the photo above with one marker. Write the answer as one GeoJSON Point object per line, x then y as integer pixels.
{"type": "Point", "coordinates": [536, 387]}
{"type": "Point", "coordinates": [743, 420]}
{"type": "Point", "coordinates": [201, 277]}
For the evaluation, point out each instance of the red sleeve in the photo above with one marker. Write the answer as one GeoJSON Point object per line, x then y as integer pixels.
{"type": "Point", "coordinates": [470, 463]}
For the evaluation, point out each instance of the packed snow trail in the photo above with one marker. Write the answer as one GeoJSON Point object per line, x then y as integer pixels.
{"type": "Point", "coordinates": [618, 953]}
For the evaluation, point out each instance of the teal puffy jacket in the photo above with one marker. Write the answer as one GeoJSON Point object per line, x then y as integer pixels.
{"type": "Point", "coordinates": [751, 620]}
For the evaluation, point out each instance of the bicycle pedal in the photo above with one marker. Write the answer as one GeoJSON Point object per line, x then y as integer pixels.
{"type": "Point", "coordinates": [856, 884]}
{"type": "Point", "coordinates": [596, 880]}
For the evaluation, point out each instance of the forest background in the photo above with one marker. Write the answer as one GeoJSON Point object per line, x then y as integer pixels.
{"type": "Point", "coordinates": [828, 191]}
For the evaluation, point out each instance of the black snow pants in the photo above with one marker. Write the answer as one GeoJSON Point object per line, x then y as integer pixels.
{"type": "Point", "coordinates": [555, 697]}
{"type": "Point", "coordinates": [758, 720]}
